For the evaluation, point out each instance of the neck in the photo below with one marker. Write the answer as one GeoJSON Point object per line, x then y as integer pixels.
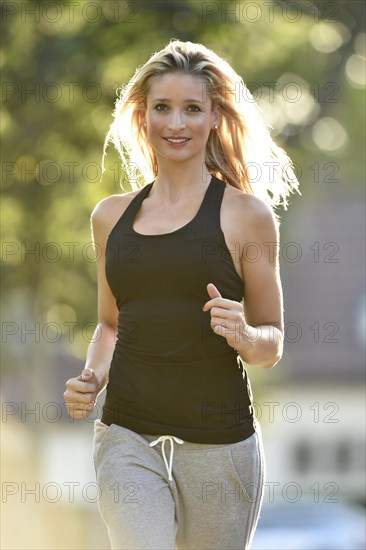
{"type": "Point", "coordinates": [179, 180]}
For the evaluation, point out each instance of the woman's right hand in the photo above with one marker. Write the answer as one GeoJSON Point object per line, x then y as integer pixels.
{"type": "Point", "coordinates": [81, 394]}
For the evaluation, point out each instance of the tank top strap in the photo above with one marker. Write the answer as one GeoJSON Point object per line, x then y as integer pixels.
{"type": "Point", "coordinates": [126, 220]}
{"type": "Point", "coordinates": [208, 220]}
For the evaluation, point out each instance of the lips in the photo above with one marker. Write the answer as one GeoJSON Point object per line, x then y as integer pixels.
{"type": "Point", "coordinates": [176, 139]}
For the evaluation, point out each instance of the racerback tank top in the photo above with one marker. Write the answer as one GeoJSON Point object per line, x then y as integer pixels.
{"type": "Point", "coordinates": [171, 374]}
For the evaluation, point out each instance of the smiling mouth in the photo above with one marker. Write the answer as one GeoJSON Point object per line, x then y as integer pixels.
{"type": "Point", "coordinates": [176, 140]}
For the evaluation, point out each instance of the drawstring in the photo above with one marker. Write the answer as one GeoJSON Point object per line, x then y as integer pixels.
{"type": "Point", "coordinates": [163, 438]}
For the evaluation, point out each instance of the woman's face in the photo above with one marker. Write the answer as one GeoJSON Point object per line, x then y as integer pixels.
{"type": "Point", "coordinates": [179, 116]}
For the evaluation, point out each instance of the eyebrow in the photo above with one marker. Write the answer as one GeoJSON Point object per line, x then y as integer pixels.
{"type": "Point", "coordinates": [169, 101]}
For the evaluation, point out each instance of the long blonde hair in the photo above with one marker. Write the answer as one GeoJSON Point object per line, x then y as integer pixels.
{"type": "Point", "coordinates": [241, 151]}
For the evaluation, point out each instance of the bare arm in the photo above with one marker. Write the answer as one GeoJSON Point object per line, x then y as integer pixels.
{"type": "Point", "coordinates": [82, 391]}
{"type": "Point", "coordinates": [101, 348]}
{"type": "Point", "coordinates": [262, 344]}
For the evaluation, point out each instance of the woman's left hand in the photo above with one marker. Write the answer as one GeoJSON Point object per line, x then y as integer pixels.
{"type": "Point", "coordinates": [227, 317]}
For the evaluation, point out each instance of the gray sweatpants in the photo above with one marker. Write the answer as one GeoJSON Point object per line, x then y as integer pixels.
{"type": "Point", "coordinates": [174, 494]}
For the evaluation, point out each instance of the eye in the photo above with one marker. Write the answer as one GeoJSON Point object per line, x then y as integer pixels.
{"type": "Point", "coordinates": [160, 107]}
{"type": "Point", "coordinates": [194, 108]}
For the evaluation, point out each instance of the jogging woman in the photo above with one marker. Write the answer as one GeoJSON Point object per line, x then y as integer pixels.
{"type": "Point", "coordinates": [189, 298]}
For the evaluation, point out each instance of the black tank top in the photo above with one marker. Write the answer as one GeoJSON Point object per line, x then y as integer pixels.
{"type": "Point", "coordinates": [170, 373]}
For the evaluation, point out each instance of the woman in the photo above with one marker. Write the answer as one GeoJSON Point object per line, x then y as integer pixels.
{"type": "Point", "coordinates": [188, 281]}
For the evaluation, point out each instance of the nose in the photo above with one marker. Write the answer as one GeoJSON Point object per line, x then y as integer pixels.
{"type": "Point", "coordinates": [176, 120]}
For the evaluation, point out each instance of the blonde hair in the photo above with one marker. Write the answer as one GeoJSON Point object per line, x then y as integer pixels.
{"type": "Point", "coordinates": [241, 151]}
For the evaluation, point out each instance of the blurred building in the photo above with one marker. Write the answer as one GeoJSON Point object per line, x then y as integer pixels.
{"type": "Point", "coordinates": [314, 420]}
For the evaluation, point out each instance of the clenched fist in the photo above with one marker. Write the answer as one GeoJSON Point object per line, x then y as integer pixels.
{"type": "Point", "coordinates": [81, 394]}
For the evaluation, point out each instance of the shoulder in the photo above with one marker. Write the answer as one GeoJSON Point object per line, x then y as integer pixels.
{"type": "Point", "coordinates": [107, 206]}
{"type": "Point", "coordinates": [251, 205]}
{"type": "Point", "coordinates": [107, 212]}
{"type": "Point", "coordinates": [252, 214]}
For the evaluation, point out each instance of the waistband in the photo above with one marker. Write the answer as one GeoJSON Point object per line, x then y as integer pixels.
{"type": "Point", "coordinates": [184, 446]}
{"type": "Point", "coordinates": [188, 446]}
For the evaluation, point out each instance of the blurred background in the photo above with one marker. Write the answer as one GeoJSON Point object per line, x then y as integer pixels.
{"type": "Point", "coordinates": [304, 62]}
